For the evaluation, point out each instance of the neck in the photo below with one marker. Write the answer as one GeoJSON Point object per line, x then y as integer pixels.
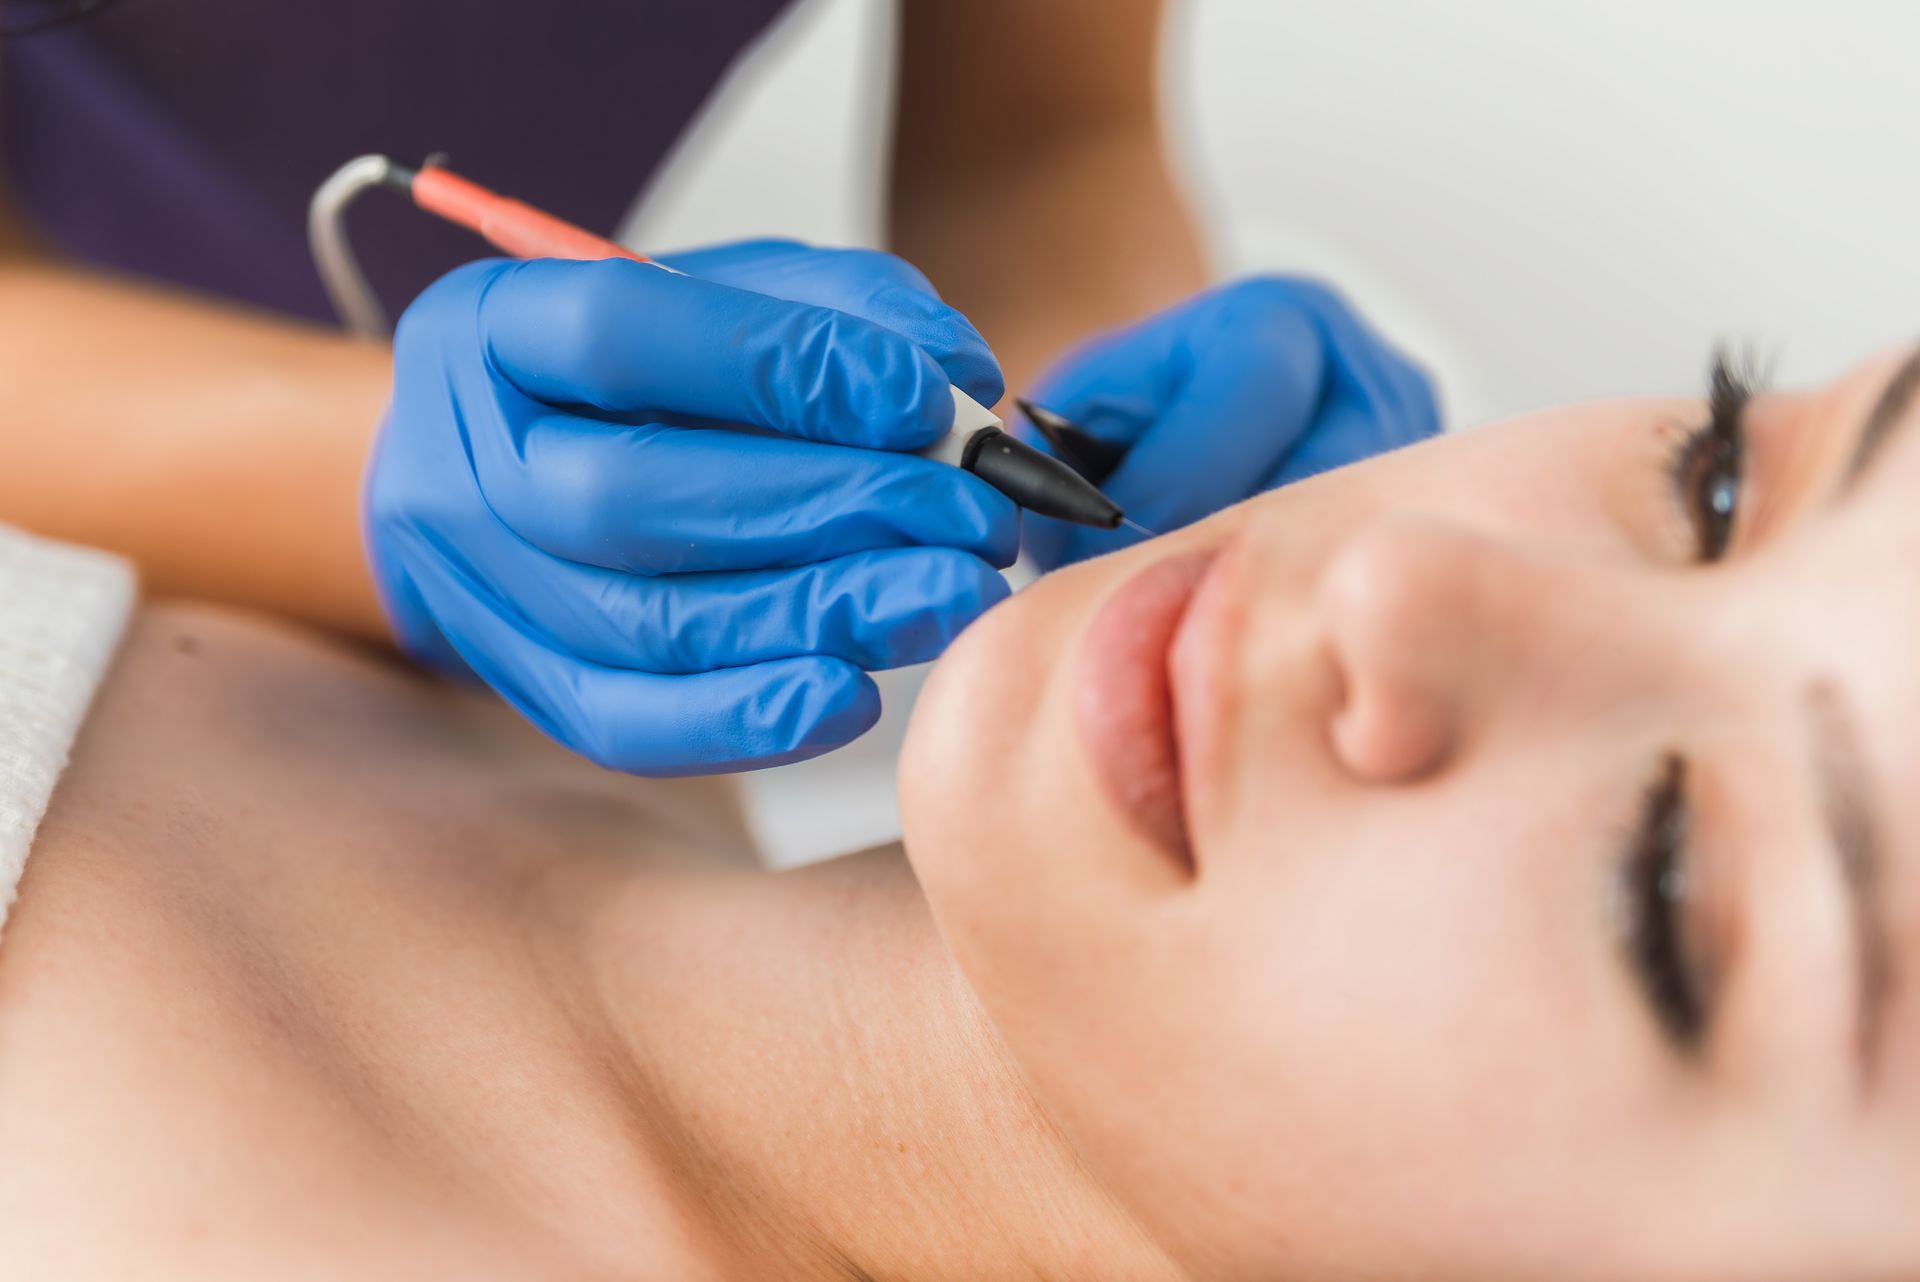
{"type": "Point", "coordinates": [820, 1084]}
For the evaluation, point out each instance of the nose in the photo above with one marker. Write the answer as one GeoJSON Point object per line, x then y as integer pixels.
{"type": "Point", "coordinates": [1418, 613]}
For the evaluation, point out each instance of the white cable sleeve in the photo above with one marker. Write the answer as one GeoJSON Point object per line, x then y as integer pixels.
{"type": "Point", "coordinates": [346, 284]}
{"type": "Point", "coordinates": [969, 416]}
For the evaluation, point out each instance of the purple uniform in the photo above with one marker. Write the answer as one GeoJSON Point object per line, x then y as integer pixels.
{"type": "Point", "coordinates": [180, 139]}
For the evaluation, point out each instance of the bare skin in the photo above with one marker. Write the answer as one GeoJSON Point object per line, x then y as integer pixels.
{"type": "Point", "coordinates": [319, 961]}
{"type": "Point", "coordinates": [1047, 208]}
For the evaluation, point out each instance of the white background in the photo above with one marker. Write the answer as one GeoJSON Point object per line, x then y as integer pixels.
{"type": "Point", "coordinates": [1545, 200]}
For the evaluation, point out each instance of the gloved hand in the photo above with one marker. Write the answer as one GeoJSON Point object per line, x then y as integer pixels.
{"type": "Point", "coordinates": [1237, 390]}
{"type": "Point", "coordinates": [664, 515]}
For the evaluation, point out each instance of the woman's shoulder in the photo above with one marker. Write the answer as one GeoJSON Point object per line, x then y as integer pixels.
{"type": "Point", "coordinates": [251, 950]}
{"type": "Point", "coordinates": [162, 1061]}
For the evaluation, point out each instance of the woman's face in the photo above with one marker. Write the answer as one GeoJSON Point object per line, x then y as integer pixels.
{"type": "Point", "coordinates": [1491, 861]}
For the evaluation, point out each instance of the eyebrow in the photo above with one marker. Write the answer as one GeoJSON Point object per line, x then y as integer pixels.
{"type": "Point", "coordinates": [1888, 412]}
{"type": "Point", "coordinates": [1856, 843]}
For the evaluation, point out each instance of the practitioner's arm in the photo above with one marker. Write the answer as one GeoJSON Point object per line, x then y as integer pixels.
{"type": "Point", "coordinates": [1031, 184]}
{"type": "Point", "coordinates": [219, 448]}
{"type": "Point", "coordinates": [1030, 180]}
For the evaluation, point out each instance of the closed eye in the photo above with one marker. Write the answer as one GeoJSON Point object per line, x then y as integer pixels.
{"type": "Point", "coordinates": [1654, 897]}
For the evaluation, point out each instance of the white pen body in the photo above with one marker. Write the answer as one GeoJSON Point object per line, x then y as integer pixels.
{"type": "Point", "coordinates": [969, 416]}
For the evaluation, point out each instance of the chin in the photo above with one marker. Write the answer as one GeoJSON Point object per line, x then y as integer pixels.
{"type": "Point", "coordinates": [973, 721]}
{"type": "Point", "coordinates": [990, 774]}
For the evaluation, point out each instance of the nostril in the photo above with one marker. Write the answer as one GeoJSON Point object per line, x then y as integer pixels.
{"type": "Point", "coordinates": [1384, 735]}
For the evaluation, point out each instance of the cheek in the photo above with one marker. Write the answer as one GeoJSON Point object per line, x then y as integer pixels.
{"type": "Point", "coordinates": [1332, 1044]}
{"type": "Point", "coordinates": [1408, 1036]}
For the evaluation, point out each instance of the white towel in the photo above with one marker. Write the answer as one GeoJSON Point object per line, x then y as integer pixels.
{"type": "Point", "coordinates": [62, 610]}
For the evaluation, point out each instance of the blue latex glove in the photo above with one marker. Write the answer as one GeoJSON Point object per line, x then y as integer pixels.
{"type": "Point", "coordinates": [1237, 390]}
{"type": "Point", "coordinates": [661, 514]}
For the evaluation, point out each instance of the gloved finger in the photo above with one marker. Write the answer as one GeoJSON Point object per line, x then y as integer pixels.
{"type": "Point", "coordinates": [1347, 432]}
{"type": "Point", "coordinates": [1354, 425]}
{"type": "Point", "coordinates": [647, 723]}
{"type": "Point", "coordinates": [623, 336]}
{"type": "Point", "coordinates": [881, 287]}
{"type": "Point", "coordinates": [660, 500]}
{"type": "Point", "coordinates": [875, 610]}
{"type": "Point", "coordinates": [1368, 368]}
{"type": "Point", "coordinates": [1250, 401]}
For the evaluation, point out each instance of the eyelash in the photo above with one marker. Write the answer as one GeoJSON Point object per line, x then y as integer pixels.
{"type": "Point", "coordinates": [1709, 465]}
{"type": "Point", "coordinates": [1706, 472]}
{"type": "Point", "coordinates": [1653, 890]}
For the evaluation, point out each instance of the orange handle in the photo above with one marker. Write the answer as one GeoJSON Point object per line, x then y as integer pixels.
{"type": "Point", "coordinates": [509, 225]}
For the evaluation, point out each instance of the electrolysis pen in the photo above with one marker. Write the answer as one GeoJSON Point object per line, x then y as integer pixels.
{"type": "Point", "coordinates": [978, 442]}
{"type": "Point", "coordinates": [981, 444]}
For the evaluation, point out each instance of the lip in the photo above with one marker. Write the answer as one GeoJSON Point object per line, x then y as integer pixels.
{"type": "Point", "coordinates": [1126, 699]}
